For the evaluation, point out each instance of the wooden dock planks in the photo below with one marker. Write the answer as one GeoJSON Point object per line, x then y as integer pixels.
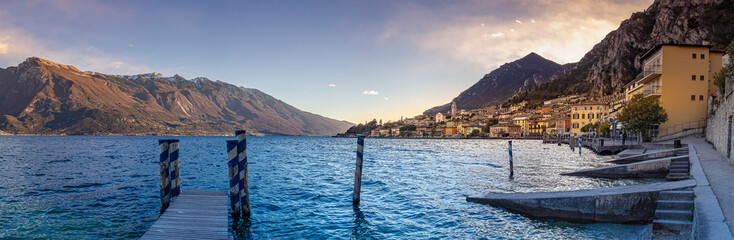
{"type": "Point", "coordinates": [195, 214]}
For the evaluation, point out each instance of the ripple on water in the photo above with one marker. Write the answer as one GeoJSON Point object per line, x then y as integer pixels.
{"type": "Point", "coordinates": [301, 187]}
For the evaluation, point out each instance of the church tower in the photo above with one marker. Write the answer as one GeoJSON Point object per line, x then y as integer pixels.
{"type": "Point", "coordinates": [453, 109]}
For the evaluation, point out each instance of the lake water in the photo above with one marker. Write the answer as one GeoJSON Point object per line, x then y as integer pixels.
{"type": "Point", "coordinates": [301, 187]}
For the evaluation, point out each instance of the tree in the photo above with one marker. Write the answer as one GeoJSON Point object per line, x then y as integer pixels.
{"type": "Point", "coordinates": [726, 73]}
{"type": "Point", "coordinates": [407, 128]}
{"type": "Point", "coordinates": [641, 113]}
{"type": "Point", "coordinates": [364, 129]}
{"type": "Point", "coordinates": [475, 132]}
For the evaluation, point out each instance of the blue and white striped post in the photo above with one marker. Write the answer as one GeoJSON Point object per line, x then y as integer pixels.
{"type": "Point", "coordinates": [579, 146]}
{"type": "Point", "coordinates": [242, 165]}
{"type": "Point", "coordinates": [175, 168]}
{"type": "Point", "coordinates": [164, 170]}
{"type": "Point", "coordinates": [358, 171]}
{"type": "Point", "coordinates": [509, 148]}
{"type": "Point", "coordinates": [234, 188]}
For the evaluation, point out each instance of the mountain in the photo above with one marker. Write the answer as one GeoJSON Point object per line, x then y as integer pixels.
{"type": "Point", "coordinates": [615, 61]}
{"type": "Point", "coordinates": [42, 97]}
{"type": "Point", "coordinates": [500, 84]}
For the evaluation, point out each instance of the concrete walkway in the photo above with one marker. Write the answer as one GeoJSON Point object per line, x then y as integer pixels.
{"type": "Point", "coordinates": [714, 191]}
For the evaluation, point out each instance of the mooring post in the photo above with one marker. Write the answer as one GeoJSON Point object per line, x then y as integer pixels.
{"type": "Point", "coordinates": [234, 189]}
{"type": "Point", "coordinates": [509, 148]}
{"type": "Point", "coordinates": [164, 170]}
{"type": "Point", "coordinates": [579, 146]}
{"type": "Point", "coordinates": [358, 170]}
{"type": "Point", "coordinates": [242, 165]}
{"type": "Point", "coordinates": [175, 168]}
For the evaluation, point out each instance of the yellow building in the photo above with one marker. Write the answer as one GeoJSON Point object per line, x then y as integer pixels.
{"type": "Point", "coordinates": [586, 113]}
{"type": "Point", "coordinates": [681, 77]}
{"type": "Point", "coordinates": [524, 124]}
{"type": "Point", "coordinates": [451, 128]}
{"type": "Point", "coordinates": [539, 126]}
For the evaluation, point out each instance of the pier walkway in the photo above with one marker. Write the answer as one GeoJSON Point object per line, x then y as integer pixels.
{"type": "Point", "coordinates": [714, 193]}
{"type": "Point", "coordinates": [195, 214]}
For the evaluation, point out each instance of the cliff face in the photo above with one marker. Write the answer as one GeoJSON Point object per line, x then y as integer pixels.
{"type": "Point", "coordinates": [510, 78]}
{"type": "Point", "coordinates": [615, 61]}
{"type": "Point", "coordinates": [42, 97]}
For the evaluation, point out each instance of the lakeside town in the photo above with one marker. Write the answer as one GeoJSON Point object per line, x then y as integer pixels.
{"type": "Point", "coordinates": [683, 90]}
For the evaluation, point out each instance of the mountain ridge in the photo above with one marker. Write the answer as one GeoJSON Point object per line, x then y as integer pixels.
{"type": "Point", "coordinates": [43, 97]}
{"type": "Point", "coordinates": [501, 83]}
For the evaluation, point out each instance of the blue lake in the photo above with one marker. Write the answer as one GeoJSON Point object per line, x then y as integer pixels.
{"type": "Point", "coordinates": [62, 187]}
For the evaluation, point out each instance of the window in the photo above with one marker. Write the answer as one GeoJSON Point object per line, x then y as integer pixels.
{"type": "Point", "coordinates": [693, 97]}
{"type": "Point", "coordinates": [598, 115]}
{"type": "Point", "coordinates": [693, 56]}
{"type": "Point", "coordinates": [575, 116]}
{"type": "Point", "coordinates": [583, 116]}
{"type": "Point", "coordinates": [700, 77]}
{"type": "Point", "coordinates": [700, 97]}
{"type": "Point", "coordinates": [703, 56]}
{"type": "Point", "coordinates": [591, 116]}
{"type": "Point", "coordinates": [693, 77]}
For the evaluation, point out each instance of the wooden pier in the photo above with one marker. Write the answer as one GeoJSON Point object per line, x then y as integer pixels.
{"type": "Point", "coordinates": [195, 214]}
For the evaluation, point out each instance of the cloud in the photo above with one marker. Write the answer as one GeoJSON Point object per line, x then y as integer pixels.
{"type": "Point", "coordinates": [387, 98]}
{"type": "Point", "coordinates": [131, 45]}
{"type": "Point", "coordinates": [370, 92]}
{"type": "Point", "coordinates": [562, 31]}
{"type": "Point", "coordinates": [332, 85]}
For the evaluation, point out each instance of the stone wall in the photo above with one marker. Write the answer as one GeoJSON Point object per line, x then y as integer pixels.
{"type": "Point", "coordinates": [717, 126]}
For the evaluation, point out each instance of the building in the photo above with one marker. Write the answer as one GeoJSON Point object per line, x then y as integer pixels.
{"type": "Point", "coordinates": [504, 130]}
{"type": "Point", "coordinates": [680, 76]}
{"type": "Point", "coordinates": [384, 132]}
{"type": "Point", "coordinates": [586, 113]}
{"type": "Point", "coordinates": [523, 122]}
{"type": "Point", "coordinates": [562, 125]}
{"type": "Point", "coordinates": [538, 126]}
{"type": "Point", "coordinates": [440, 118]}
{"type": "Point", "coordinates": [469, 129]}
{"type": "Point", "coordinates": [395, 131]}
{"type": "Point", "coordinates": [451, 128]}
{"type": "Point", "coordinates": [375, 132]}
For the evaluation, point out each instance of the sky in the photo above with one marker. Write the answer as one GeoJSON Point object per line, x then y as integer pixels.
{"type": "Point", "coordinates": [348, 60]}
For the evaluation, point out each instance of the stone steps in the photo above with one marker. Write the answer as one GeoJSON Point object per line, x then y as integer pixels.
{"type": "Point", "coordinates": [679, 169]}
{"type": "Point", "coordinates": [672, 226]}
{"type": "Point", "coordinates": [675, 205]}
{"type": "Point", "coordinates": [674, 213]}
{"type": "Point", "coordinates": [677, 215]}
{"type": "Point", "coordinates": [677, 195]}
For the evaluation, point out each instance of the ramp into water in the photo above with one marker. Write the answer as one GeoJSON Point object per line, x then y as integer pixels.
{"type": "Point", "coordinates": [195, 214]}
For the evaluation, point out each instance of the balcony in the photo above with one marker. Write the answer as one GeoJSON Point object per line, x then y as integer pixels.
{"type": "Point", "coordinates": [652, 91]}
{"type": "Point", "coordinates": [650, 72]}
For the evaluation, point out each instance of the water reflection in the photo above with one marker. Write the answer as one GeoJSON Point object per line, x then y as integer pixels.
{"type": "Point", "coordinates": [241, 228]}
{"type": "Point", "coordinates": [361, 228]}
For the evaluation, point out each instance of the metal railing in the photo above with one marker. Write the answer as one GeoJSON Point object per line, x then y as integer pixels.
{"type": "Point", "coordinates": [677, 128]}
{"type": "Point", "coordinates": [652, 90]}
{"type": "Point", "coordinates": [649, 70]}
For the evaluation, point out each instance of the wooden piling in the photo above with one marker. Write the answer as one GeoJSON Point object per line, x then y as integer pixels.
{"type": "Point", "coordinates": [509, 148]}
{"type": "Point", "coordinates": [164, 171]}
{"type": "Point", "coordinates": [358, 171]}
{"type": "Point", "coordinates": [175, 168]}
{"type": "Point", "coordinates": [242, 165]}
{"type": "Point", "coordinates": [234, 189]}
